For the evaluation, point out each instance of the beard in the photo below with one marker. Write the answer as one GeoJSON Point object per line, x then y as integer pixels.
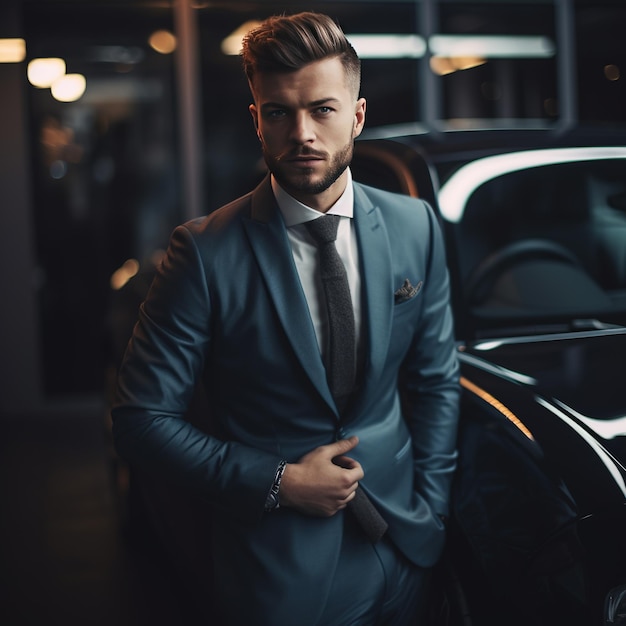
{"type": "Point", "coordinates": [303, 182]}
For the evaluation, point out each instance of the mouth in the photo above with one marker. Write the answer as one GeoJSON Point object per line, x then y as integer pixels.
{"type": "Point", "coordinates": [305, 161]}
{"type": "Point", "coordinates": [303, 158]}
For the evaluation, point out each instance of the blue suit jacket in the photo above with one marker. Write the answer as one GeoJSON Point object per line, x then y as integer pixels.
{"type": "Point", "coordinates": [227, 306]}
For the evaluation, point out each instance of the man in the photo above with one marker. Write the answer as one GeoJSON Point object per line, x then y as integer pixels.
{"type": "Point", "coordinates": [304, 447]}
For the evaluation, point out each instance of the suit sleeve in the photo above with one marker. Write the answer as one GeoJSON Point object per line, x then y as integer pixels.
{"type": "Point", "coordinates": [163, 363]}
{"type": "Point", "coordinates": [429, 381]}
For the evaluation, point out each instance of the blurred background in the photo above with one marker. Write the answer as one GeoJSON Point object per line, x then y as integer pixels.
{"type": "Point", "coordinates": [121, 118]}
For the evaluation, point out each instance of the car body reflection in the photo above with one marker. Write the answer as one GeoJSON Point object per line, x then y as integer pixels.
{"type": "Point", "coordinates": [535, 228]}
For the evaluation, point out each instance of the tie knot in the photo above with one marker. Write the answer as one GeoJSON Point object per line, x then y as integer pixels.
{"type": "Point", "coordinates": [324, 229]}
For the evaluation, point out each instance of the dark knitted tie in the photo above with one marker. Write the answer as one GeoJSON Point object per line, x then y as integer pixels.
{"type": "Point", "coordinates": [340, 350]}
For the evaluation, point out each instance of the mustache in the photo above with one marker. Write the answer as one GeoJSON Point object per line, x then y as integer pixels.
{"type": "Point", "coordinates": [300, 153]}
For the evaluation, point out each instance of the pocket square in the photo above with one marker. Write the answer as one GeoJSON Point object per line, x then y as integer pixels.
{"type": "Point", "coordinates": [407, 291]}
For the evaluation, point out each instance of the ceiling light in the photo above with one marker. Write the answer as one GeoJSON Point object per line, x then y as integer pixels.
{"type": "Point", "coordinates": [12, 50]}
{"type": "Point", "coordinates": [491, 46]}
{"type": "Point", "coordinates": [388, 46]}
{"type": "Point", "coordinates": [366, 46]}
{"type": "Point", "coordinates": [69, 88]}
{"type": "Point", "coordinates": [43, 72]}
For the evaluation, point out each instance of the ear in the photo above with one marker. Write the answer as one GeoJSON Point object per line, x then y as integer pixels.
{"type": "Point", "coordinates": [359, 117]}
{"type": "Point", "coordinates": [255, 118]}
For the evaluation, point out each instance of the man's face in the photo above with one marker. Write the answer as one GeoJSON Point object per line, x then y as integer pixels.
{"type": "Point", "coordinates": [307, 121]}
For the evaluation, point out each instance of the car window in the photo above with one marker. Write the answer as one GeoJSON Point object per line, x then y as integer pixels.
{"type": "Point", "coordinates": [550, 237]}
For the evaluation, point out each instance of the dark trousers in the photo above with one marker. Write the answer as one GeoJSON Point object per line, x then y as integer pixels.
{"type": "Point", "coordinates": [375, 585]}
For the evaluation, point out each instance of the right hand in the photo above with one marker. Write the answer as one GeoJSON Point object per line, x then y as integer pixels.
{"type": "Point", "coordinates": [323, 481]}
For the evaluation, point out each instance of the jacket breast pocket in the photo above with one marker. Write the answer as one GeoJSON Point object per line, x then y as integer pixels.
{"type": "Point", "coordinates": [403, 311]}
{"type": "Point", "coordinates": [405, 321]}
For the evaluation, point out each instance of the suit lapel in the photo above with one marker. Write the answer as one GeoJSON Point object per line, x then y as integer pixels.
{"type": "Point", "coordinates": [268, 238]}
{"type": "Point", "coordinates": [376, 279]}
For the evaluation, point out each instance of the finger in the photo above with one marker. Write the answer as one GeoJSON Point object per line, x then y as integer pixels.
{"type": "Point", "coordinates": [346, 462]}
{"type": "Point", "coordinates": [344, 503]}
{"type": "Point", "coordinates": [339, 448]}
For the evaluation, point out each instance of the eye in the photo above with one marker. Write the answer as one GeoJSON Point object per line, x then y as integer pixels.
{"type": "Point", "coordinates": [325, 110]}
{"type": "Point", "coordinates": [275, 114]}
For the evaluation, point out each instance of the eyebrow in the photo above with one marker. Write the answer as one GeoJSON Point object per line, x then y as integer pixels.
{"type": "Point", "coordinates": [315, 103]}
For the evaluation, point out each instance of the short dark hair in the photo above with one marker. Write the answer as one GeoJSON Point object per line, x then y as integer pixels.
{"type": "Point", "coordinates": [287, 43]}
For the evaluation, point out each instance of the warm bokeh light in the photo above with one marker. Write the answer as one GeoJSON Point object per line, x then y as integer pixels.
{"type": "Point", "coordinates": [467, 63]}
{"type": "Point", "coordinates": [232, 44]}
{"type": "Point", "coordinates": [43, 72]}
{"type": "Point", "coordinates": [441, 66]}
{"type": "Point", "coordinates": [123, 274]}
{"type": "Point", "coordinates": [12, 50]}
{"type": "Point", "coordinates": [447, 65]}
{"type": "Point", "coordinates": [69, 88]}
{"type": "Point", "coordinates": [162, 41]}
{"type": "Point", "coordinates": [612, 72]}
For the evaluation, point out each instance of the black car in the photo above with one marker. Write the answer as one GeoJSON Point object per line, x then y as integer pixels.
{"type": "Point", "coordinates": [535, 227]}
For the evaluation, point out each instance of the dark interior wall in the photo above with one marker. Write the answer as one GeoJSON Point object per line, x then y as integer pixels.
{"type": "Point", "coordinates": [19, 375]}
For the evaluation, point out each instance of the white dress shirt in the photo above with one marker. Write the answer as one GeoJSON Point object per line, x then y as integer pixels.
{"type": "Point", "coordinates": [305, 253]}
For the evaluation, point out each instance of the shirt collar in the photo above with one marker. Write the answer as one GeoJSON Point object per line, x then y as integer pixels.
{"type": "Point", "coordinates": [294, 212]}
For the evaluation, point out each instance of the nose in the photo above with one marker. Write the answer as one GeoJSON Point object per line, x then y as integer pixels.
{"type": "Point", "coordinates": [302, 128]}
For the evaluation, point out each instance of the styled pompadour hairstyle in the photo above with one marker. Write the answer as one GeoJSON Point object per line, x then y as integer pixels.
{"type": "Point", "coordinates": [287, 43]}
